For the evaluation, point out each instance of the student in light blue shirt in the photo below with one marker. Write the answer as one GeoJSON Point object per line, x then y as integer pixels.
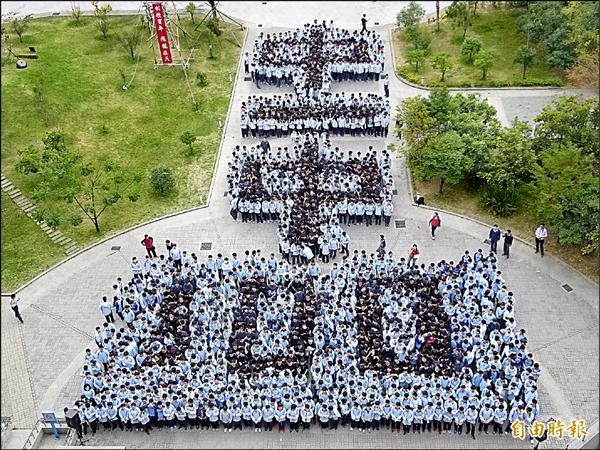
{"type": "Point", "coordinates": [486, 415]}
{"type": "Point", "coordinates": [280, 417]}
{"type": "Point", "coordinates": [226, 417]}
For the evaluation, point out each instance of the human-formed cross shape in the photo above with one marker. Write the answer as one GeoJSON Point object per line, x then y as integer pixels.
{"type": "Point", "coordinates": [317, 187]}
{"type": "Point", "coordinates": [315, 55]}
{"type": "Point", "coordinates": [310, 184]}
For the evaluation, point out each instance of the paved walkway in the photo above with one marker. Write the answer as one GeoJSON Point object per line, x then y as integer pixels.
{"type": "Point", "coordinates": [60, 309]}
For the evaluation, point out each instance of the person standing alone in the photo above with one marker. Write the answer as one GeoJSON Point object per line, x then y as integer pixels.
{"type": "Point", "coordinates": [386, 85]}
{"type": "Point", "coordinates": [148, 243]}
{"type": "Point", "coordinates": [508, 240]}
{"type": "Point", "coordinates": [413, 255]}
{"type": "Point", "coordinates": [540, 236]}
{"type": "Point", "coordinates": [381, 248]}
{"type": "Point", "coordinates": [494, 238]}
{"type": "Point", "coordinates": [363, 21]}
{"type": "Point", "coordinates": [14, 304]}
{"type": "Point", "coordinates": [435, 222]}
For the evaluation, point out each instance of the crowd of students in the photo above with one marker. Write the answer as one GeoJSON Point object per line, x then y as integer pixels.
{"type": "Point", "coordinates": [338, 114]}
{"type": "Point", "coordinates": [312, 189]}
{"type": "Point", "coordinates": [257, 342]}
{"type": "Point", "coordinates": [310, 58]}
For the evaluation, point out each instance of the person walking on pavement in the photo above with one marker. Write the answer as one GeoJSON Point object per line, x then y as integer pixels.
{"type": "Point", "coordinates": [494, 238]}
{"type": "Point", "coordinates": [364, 21]}
{"type": "Point", "coordinates": [435, 222]}
{"type": "Point", "coordinates": [148, 243]}
{"type": "Point", "coordinates": [508, 240]}
{"type": "Point", "coordinates": [386, 85]}
{"type": "Point", "coordinates": [541, 233]}
{"type": "Point", "coordinates": [381, 248]}
{"type": "Point", "coordinates": [14, 304]}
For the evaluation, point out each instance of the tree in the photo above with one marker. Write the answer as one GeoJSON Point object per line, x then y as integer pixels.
{"type": "Point", "coordinates": [460, 15]}
{"type": "Point", "coordinates": [582, 20]}
{"type": "Point", "coordinates": [188, 139]}
{"type": "Point", "coordinates": [191, 8]}
{"type": "Point", "coordinates": [52, 161]}
{"type": "Point", "coordinates": [418, 37]}
{"type": "Point", "coordinates": [442, 62]}
{"type": "Point", "coordinates": [568, 195]}
{"type": "Point", "coordinates": [560, 53]}
{"type": "Point", "coordinates": [441, 106]}
{"type": "Point", "coordinates": [410, 15]}
{"type": "Point", "coordinates": [484, 61]}
{"type": "Point", "coordinates": [130, 40]}
{"type": "Point", "coordinates": [92, 185]}
{"type": "Point", "coordinates": [418, 126]}
{"type": "Point", "coordinates": [569, 119]}
{"type": "Point", "coordinates": [474, 119]}
{"type": "Point", "coordinates": [524, 55]}
{"type": "Point", "coordinates": [415, 57]}
{"type": "Point", "coordinates": [101, 15]}
{"type": "Point", "coordinates": [546, 24]}
{"type": "Point", "coordinates": [20, 25]}
{"type": "Point", "coordinates": [161, 179]}
{"type": "Point", "coordinates": [98, 185]}
{"type": "Point", "coordinates": [470, 47]}
{"type": "Point", "coordinates": [76, 12]}
{"type": "Point", "coordinates": [443, 158]}
{"type": "Point", "coordinates": [437, 16]}
{"type": "Point", "coordinates": [511, 165]}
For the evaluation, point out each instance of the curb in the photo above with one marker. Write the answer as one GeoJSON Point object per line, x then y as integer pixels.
{"type": "Point", "coordinates": [228, 117]}
{"type": "Point", "coordinates": [466, 88]}
{"type": "Point", "coordinates": [133, 227]}
{"type": "Point", "coordinates": [107, 238]}
{"type": "Point", "coordinates": [479, 222]}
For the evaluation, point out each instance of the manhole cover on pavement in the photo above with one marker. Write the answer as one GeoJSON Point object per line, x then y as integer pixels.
{"type": "Point", "coordinates": [400, 223]}
{"type": "Point", "coordinates": [567, 287]}
{"type": "Point", "coordinates": [206, 246]}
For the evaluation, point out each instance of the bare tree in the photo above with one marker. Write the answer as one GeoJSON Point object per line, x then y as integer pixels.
{"type": "Point", "coordinates": [130, 40]}
{"type": "Point", "coordinates": [76, 11]}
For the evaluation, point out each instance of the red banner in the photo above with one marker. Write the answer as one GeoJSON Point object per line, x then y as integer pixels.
{"type": "Point", "coordinates": [161, 33]}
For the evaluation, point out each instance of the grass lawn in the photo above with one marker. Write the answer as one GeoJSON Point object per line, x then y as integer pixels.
{"type": "Point", "coordinates": [459, 199]}
{"type": "Point", "coordinates": [78, 75]}
{"type": "Point", "coordinates": [26, 249]}
{"type": "Point", "coordinates": [497, 29]}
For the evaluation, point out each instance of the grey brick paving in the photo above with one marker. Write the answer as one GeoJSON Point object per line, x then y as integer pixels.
{"type": "Point", "coordinates": [61, 308]}
{"type": "Point", "coordinates": [18, 400]}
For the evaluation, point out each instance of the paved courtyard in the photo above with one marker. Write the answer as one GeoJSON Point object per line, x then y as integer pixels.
{"type": "Point", "coordinates": [42, 358]}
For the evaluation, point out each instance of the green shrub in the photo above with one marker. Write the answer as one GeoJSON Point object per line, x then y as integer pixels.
{"type": "Point", "coordinates": [75, 220]}
{"type": "Point", "coordinates": [500, 202]}
{"type": "Point", "coordinates": [201, 80]}
{"type": "Point", "coordinates": [162, 179]}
